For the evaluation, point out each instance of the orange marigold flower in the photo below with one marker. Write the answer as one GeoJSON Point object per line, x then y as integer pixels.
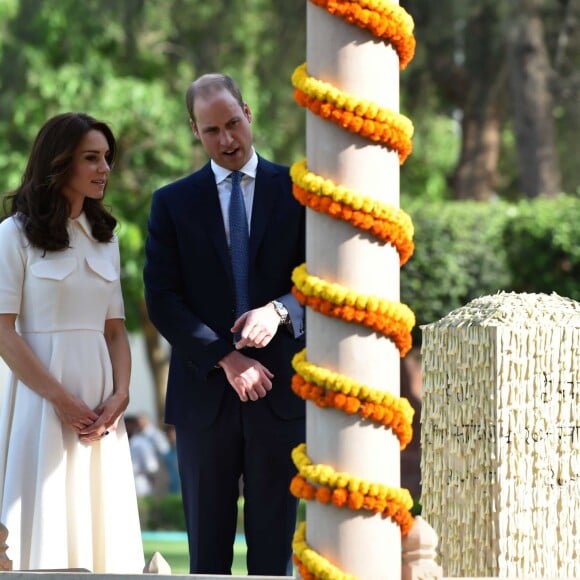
{"type": "Point", "coordinates": [352, 405]}
{"type": "Point", "coordinates": [370, 503]}
{"type": "Point", "coordinates": [380, 504]}
{"type": "Point", "coordinates": [296, 486]}
{"type": "Point", "coordinates": [308, 491]}
{"type": "Point", "coordinates": [348, 312]}
{"type": "Point", "coordinates": [339, 400]}
{"type": "Point", "coordinates": [339, 497]}
{"type": "Point", "coordinates": [323, 495]}
{"type": "Point", "coordinates": [378, 412]}
{"type": "Point", "coordinates": [366, 410]}
{"type": "Point", "coordinates": [355, 500]}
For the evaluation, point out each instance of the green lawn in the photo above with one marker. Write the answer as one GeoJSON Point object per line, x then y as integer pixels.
{"type": "Point", "coordinates": [175, 552]}
{"type": "Point", "coordinates": [166, 513]}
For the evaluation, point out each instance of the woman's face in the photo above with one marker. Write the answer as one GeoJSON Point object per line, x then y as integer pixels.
{"type": "Point", "coordinates": [89, 171]}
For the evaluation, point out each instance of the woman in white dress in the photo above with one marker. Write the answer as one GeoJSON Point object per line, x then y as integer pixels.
{"type": "Point", "coordinates": [67, 494]}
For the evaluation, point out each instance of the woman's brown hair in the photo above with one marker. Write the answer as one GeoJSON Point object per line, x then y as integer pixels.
{"type": "Point", "coordinates": [39, 203]}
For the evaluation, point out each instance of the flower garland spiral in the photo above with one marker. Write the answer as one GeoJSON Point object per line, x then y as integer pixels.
{"type": "Point", "coordinates": [360, 116]}
{"type": "Point", "coordinates": [386, 222]}
{"type": "Point", "coordinates": [327, 388]}
{"type": "Point", "coordinates": [391, 23]}
{"type": "Point", "coordinates": [310, 564]}
{"type": "Point", "coordinates": [382, 18]}
{"type": "Point", "coordinates": [323, 483]}
{"type": "Point", "coordinates": [388, 317]}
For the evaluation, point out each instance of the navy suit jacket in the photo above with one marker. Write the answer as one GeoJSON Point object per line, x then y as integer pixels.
{"type": "Point", "coordinates": [190, 293]}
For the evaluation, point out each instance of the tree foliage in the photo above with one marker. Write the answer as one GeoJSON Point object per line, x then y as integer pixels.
{"type": "Point", "coordinates": [462, 71]}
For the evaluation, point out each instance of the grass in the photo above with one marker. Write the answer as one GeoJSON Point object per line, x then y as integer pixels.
{"type": "Point", "coordinates": [176, 554]}
{"type": "Point", "coordinates": [168, 515]}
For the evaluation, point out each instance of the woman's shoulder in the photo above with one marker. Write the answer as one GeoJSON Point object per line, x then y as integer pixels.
{"type": "Point", "coordinates": [13, 239]}
{"type": "Point", "coordinates": [12, 225]}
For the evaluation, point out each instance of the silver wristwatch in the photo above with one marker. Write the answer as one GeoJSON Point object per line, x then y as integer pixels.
{"type": "Point", "coordinates": [281, 311]}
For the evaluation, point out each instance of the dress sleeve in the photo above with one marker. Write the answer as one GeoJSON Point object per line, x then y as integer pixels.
{"type": "Point", "coordinates": [12, 266]}
{"type": "Point", "coordinates": [116, 307]}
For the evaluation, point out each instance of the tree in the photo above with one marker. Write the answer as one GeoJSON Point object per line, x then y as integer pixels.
{"type": "Point", "coordinates": [464, 47]}
{"type": "Point", "coordinates": [532, 102]}
{"type": "Point", "coordinates": [505, 136]}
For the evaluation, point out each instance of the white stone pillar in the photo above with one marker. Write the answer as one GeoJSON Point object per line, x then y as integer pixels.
{"type": "Point", "coordinates": [349, 58]}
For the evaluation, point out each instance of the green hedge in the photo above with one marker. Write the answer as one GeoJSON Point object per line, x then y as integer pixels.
{"type": "Point", "coordinates": [164, 512]}
{"type": "Point", "coordinates": [468, 249]}
{"type": "Point", "coordinates": [542, 241]}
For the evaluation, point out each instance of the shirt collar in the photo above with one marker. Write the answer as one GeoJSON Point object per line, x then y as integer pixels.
{"type": "Point", "coordinates": [84, 224]}
{"type": "Point", "coordinates": [250, 168]}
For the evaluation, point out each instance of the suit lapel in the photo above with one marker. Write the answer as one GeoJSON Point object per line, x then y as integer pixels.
{"type": "Point", "coordinates": [265, 194]}
{"type": "Point", "coordinates": [211, 213]}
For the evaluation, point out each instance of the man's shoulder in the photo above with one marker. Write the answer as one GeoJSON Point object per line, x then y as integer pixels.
{"type": "Point", "coordinates": [271, 166]}
{"type": "Point", "coordinates": [274, 174]}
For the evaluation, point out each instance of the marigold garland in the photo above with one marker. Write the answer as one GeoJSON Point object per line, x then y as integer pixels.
{"type": "Point", "coordinates": [329, 389]}
{"type": "Point", "coordinates": [322, 483]}
{"type": "Point", "coordinates": [360, 116]}
{"type": "Point", "coordinates": [323, 91]}
{"type": "Point", "coordinates": [342, 490]}
{"type": "Point", "coordinates": [324, 475]}
{"type": "Point", "coordinates": [382, 18]}
{"type": "Point", "coordinates": [388, 507]}
{"type": "Point", "coordinates": [386, 222]}
{"type": "Point", "coordinates": [393, 319]}
{"type": "Point", "coordinates": [310, 564]}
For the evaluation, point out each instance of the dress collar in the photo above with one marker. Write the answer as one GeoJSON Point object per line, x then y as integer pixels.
{"type": "Point", "coordinates": [84, 224]}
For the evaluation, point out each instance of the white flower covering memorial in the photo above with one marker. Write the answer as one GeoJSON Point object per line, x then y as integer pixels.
{"type": "Point", "coordinates": [501, 436]}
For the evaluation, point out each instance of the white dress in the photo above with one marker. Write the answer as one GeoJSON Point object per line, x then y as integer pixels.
{"type": "Point", "coordinates": [66, 504]}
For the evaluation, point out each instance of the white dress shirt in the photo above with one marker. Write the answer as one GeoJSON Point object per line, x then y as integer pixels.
{"type": "Point", "coordinates": [224, 187]}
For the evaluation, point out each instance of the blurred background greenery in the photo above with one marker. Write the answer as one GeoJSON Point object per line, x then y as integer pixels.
{"type": "Point", "coordinates": [493, 183]}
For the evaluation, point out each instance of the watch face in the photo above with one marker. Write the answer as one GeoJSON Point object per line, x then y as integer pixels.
{"type": "Point", "coordinates": [281, 310]}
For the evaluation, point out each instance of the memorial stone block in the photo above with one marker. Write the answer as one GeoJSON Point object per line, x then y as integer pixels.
{"type": "Point", "coordinates": [501, 436]}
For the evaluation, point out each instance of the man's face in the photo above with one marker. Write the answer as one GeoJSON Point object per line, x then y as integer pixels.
{"type": "Point", "coordinates": [223, 127]}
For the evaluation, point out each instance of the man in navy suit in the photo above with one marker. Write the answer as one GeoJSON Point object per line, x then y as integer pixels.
{"type": "Point", "coordinates": [228, 392]}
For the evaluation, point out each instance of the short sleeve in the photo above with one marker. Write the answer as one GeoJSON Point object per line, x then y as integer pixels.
{"type": "Point", "coordinates": [116, 306]}
{"type": "Point", "coordinates": [12, 265]}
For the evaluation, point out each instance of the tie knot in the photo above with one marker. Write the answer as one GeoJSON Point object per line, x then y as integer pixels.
{"type": "Point", "coordinates": [236, 178]}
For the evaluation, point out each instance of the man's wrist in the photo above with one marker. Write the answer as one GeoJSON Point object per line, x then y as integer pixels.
{"type": "Point", "coordinates": [220, 363]}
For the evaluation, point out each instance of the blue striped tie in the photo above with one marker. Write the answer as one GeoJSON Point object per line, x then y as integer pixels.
{"type": "Point", "coordinates": [239, 245]}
